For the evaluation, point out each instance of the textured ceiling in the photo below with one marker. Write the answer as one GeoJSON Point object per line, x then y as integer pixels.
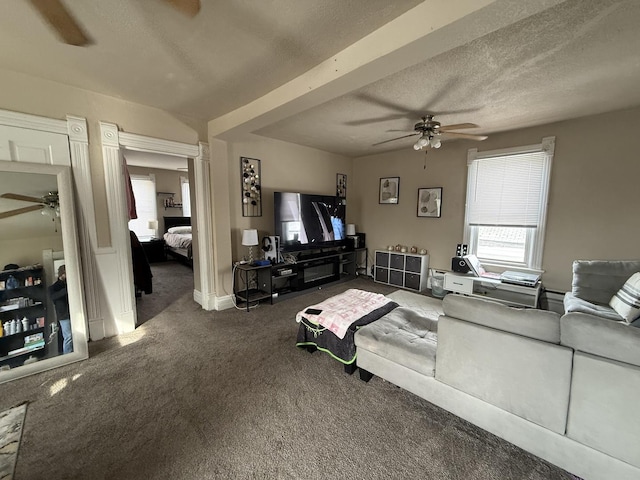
{"type": "Point", "coordinates": [571, 59]}
{"type": "Point", "coordinates": [576, 59]}
{"type": "Point", "coordinates": [229, 54]}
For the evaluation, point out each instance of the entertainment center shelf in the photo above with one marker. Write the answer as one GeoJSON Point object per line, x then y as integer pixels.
{"type": "Point", "coordinates": [312, 269]}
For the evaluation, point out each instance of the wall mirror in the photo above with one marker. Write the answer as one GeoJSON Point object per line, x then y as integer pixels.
{"type": "Point", "coordinates": [39, 248]}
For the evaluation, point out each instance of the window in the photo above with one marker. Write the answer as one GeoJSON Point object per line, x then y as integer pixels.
{"type": "Point", "coordinates": [506, 209]}
{"type": "Point", "coordinates": [186, 196]}
{"type": "Point", "coordinates": [144, 191]}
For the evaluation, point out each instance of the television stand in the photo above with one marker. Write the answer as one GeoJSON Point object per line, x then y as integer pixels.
{"type": "Point", "coordinates": [315, 269]}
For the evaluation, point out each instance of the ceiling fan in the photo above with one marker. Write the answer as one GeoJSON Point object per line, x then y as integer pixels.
{"type": "Point", "coordinates": [59, 17]}
{"type": "Point", "coordinates": [430, 132]}
{"type": "Point", "coordinates": [50, 201]}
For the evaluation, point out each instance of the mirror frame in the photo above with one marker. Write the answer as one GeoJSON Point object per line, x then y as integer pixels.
{"type": "Point", "coordinates": [77, 309]}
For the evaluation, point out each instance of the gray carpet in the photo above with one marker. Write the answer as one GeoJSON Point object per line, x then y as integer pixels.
{"type": "Point", "coordinates": [216, 395]}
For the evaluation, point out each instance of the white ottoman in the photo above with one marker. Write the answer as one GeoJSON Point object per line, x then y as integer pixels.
{"type": "Point", "coordinates": [402, 336]}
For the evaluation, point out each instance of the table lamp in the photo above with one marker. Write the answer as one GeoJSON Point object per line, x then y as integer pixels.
{"type": "Point", "coordinates": [249, 239]}
{"type": "Point", "coordinates": [153, 225]}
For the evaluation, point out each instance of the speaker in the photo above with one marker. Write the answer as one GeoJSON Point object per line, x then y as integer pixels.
{"type": "Point", "coordinates": [271, 248]}
{"type": "Point", "coordinates": [459, 265]}
{"type": "Point", "coordinates": [357, 240]}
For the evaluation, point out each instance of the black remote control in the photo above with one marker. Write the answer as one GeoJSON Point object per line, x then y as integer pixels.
{"type": "Point", "coordinates": [313, 311]}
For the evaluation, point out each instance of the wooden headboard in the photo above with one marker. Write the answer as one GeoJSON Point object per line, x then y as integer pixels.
{"type": "Point", "coordinates": [176, 222]}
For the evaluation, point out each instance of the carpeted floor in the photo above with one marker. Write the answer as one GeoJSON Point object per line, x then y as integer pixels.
{"type": "Point", "coordinates": [222, 395]}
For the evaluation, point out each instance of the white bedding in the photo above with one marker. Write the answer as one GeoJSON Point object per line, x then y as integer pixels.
{"type": "Point", "coordinates": [178, 240]}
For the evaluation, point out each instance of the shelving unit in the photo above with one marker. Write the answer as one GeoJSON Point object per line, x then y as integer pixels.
{"type": "Point", "coordinates": [168, 200]}
{"type": "Point", "coordinates": [404, 270]}
{"type": "Point", "coordinates": [23, 295]}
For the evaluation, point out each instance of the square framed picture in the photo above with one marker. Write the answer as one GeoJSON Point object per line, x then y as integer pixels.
{"type": "Point", "coordinates": [389, 190]}
{"type": "Point", "coordinates": [430, 202]}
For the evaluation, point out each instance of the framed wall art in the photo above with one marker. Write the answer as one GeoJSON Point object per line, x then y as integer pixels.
{"type": "Point", "coordinates": [389, 190]}
{"type": "Point", "coordinates": [250, 181]}
{"type": "Point", "coordinates": [430, 202]}
{"type": "Point", "coordinates": [341, 185]}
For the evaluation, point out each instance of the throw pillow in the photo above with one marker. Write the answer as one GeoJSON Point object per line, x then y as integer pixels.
{"type": "Point", "coordinates": [626, 302]}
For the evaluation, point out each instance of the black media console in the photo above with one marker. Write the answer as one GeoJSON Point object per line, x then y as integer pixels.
{"type": "Point", "coordinates": [315, 268]}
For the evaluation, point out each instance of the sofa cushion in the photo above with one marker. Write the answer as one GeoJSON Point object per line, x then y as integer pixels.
{"type": "Point", "coordinates": [521, 375]}
{"type": "Point", "coordinates": [402, 336]}
{"type": "Point", "coordinates": [597, 280]}
{"type": "Point", "coordinates": [538, 324]}
{"type": "Point", "coordinates": [626, 301]}
{"type": "Point", "coordinates": [599, 336]}
{"type": "Point", "coordinates": [602, 414]}
{"type": "Point", "coordinates": [573, 304]}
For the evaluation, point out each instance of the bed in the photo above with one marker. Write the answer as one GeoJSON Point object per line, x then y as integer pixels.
{"type": "Point", "coordinates": [177, 239]}
{"type": "Point", "coordinates": [330, 326]}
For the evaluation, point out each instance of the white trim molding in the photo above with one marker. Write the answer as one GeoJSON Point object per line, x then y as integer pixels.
{"type": "Point", "coordinates": [124, 306]}
{"type": "Point", "coordinates": [206, 297]}
{"type": "Point", "coordinates": [113, 141]}
{"type": "Point", "coordinates": [85, 214]}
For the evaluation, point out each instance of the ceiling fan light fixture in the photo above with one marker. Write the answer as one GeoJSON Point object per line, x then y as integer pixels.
{"type": "Point", "coordinates": [417, 146]}
{"type": "Point", "coordinates": [435, 142]}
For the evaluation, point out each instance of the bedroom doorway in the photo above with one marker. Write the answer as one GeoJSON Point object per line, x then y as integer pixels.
{"type": "Point", "coordinates": [161, 248]}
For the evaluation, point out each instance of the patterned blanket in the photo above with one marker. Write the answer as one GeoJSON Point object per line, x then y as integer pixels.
{"type": "Point", "coordinates": [312, 333]}
{"type": "Point", "coordinates": [340, 311]}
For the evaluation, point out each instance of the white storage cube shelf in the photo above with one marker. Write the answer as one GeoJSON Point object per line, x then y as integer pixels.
{"type": "Point", "coordinates": [403, 270]}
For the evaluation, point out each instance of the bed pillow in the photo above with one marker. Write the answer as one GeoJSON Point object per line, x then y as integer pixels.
{"type": "Point", "coordinates": [626, 302]}
{"type": "Point", "coordinates": [185, 229]}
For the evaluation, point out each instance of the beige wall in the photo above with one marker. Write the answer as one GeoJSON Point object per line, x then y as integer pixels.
{"type": "Point", "coordinates": [285, 167]}
{"type": "Point", "coordinates": [28, 251]}
{"type": "Point", "coordinates": [27, 94]}
{"type": "Point", "coordinates": [593, 198]}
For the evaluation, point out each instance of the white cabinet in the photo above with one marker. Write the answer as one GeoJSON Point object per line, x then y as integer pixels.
{"type": "Point", "coordinates": [509, 294]}
{"type": "Point", "coordinates": [404, 270]}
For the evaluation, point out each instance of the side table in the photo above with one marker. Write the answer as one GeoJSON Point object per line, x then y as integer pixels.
{"type": "Point", "coordinates": [154, 249]}
{"type": "Point", "coordinates": [254, 285]}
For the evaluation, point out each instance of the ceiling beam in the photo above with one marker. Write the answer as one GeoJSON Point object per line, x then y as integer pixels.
{"type": "Point", "coordinates": [419, 34]}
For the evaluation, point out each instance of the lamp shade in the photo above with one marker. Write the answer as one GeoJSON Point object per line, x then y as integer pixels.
{"type": "Point", "coordinates": [351, 229]}
{"type": "Point", "coordinates": [152, 225]}
{"type": "Point", "coordinates": [250, 237]}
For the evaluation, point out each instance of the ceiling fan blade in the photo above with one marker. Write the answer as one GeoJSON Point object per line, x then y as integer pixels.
{"type": "Point", "coordinates": [55, 13]}
{"type": "Point", "coordinates": [398, 138]}
{"type": "Point", "coordinates": [12, 213]}
{"type": "Point", "coordinates": [468, 136]}
{"type": "Point", "coordinates": [457, 126]}
{"type": "Point", "coordinates": [23, 198]}
{"type": "Point", "coordinates": [188, 7]}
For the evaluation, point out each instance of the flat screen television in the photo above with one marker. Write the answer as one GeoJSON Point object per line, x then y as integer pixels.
{"type": "Point", "coordinates": [304, 221]}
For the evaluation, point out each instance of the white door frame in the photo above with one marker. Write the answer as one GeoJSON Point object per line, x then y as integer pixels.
{"type": "Point", "coordinates": [113, 141]}
{"type": "Point", "coordinates": [76, 130]}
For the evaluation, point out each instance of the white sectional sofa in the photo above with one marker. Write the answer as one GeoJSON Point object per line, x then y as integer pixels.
{"type": "Point", "coordinates": [562, 388]}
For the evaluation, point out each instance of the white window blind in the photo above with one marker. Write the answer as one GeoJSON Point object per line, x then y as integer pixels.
{"type": "Point", "coordinates": [507, 190]}
{"type": "Point", "coordinates": [506, 208]}
{"type": "Point", "coordinates": [186, 196]}
{"type": "Point", "coordinates": [144, 191]}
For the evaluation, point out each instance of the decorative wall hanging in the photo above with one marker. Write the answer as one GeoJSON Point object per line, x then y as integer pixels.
{"type": "Point", "coordinates": [430, 202]}
{"type": "Point", "coordinates": [250, 187]}
{"type": "Point", "coordinates": [341, 185]}
{"type": "Point", "coordinates": [389, 190]}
